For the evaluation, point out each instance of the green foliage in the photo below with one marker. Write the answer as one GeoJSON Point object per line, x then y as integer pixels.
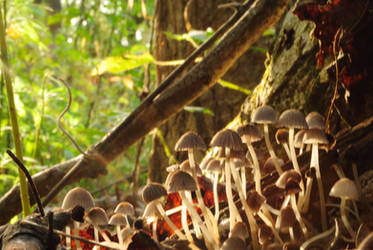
{"type": "Point", "coordinates": [106, 37]}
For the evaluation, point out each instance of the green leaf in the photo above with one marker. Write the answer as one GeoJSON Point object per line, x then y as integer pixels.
{"type": "Point", "coordinates": [233, 86]}
{"type": "Point", "coordinates": [120, 64]}
{"type": "Point", "coordinates": [196, 109]}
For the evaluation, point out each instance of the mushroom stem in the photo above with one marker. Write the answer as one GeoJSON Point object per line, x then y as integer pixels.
{"type": "Point", "coordinates": [185, 225]}
{"type": "Point", "coordinates": [68, 239]}
{"type": "Point", "coordinates": [257, 176]}
{"type": "Point", "coordinates": [243, 179]}
{"type": "Point", "coordinates": [345, 219]}
{"type": "Point", "coordinates": [216, 197]}
{"type": "Point", "coordinates": [297, 214]}
{"type": "Point", "coordinates": [316, 237]}
{"type": "Point", "coordinates": [307, 196]}
{"type": "Point", "coordinates": [197, 230]}
{"type": "Point", "coordinates": [296, 165]}
{"type": "Point", "coordinates": [233, 211]}
{"type": "Point", "coordinates": [120, 237]}
{"type": "Point", "coordinates": [76, 233]}
{"type": "Point", "coordinates": [169, 222]}
{"type": "Point", "coordinates": [315, 164]}
{"type": "Point", "coordinates": [287, 150]}
{"type": "Point", "coordinates": [212, 225]}
{"type": "Point", "coordinates": [194, 215]}
{"type": "Point", "coordinates": [270, 150]}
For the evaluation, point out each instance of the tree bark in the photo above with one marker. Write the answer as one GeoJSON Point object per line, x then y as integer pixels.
{"type": "Point", "coordinates": [248, 29]}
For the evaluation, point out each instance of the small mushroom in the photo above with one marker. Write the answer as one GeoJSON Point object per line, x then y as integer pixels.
{"type": "Point", "coordinates": [214, 166]}
{"type": "Point", "coordinates": [282, 137]}
{"type": "Point", "coordinates": [126, 209]}
{"type": "Point", "coordinates": [97, 217]}
{"type": "Point", "coordinates": [345, 189]}
{"type": "Point", "coordinates": [118, 220]}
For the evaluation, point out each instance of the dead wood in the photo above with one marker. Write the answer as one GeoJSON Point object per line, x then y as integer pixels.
{"type": "Point", "coordinates": [201, 77]}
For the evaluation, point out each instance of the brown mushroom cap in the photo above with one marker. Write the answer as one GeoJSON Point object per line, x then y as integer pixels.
{"type": "Point", "coordinates": [269, 166]}
{"type": "Point", "coordinates": [227, 138]}
{"type": "Point", "coordinates": [315, 120]}
{"type": "Point", "coordinates": [185, 166]}
{"type": "Point", "coordinates": [285, 177]}
{"type": "Point", "coordinates": [97, 216]}
{"type": "Point", "coordinates": [233, 243]}
{"type": "Point", "coordinates": [249, 133]}
{"type": "Point", "coordinates": [118, 219]}
{"type": "Point", "coordinates": [315, 136]}
{"type": "Point", "coordinates": [181, 181]}
{"type": "Point", "coordinates": [292, 118]}
{"type": "Point", "coordinates": [265, 234]}
{"type": "Point", "coordinates": [264, 114]}
{"type": "Point", "coordinates": [78, 197]}
{"type": "Point", "coordinates": [287, 217]}
{"type": "Point", "coordinates": [345, 188]}
{"type": "Point", "coordinates": [239, 230]}
{"type": "Point", "coordinates": [282, 136]}
{"type": "Point", "coordinates": [153, 191]}
{"type": "Point", "coordinates": [214, 166]}
{"type": "Point", "coordinates": [298, 138]}
{"type": "Point", "coordinates": [125, 208]}
{"type": "Point", "coordinates": [190, 140]}
{"type": "Point", "coordinates": [255, 200]}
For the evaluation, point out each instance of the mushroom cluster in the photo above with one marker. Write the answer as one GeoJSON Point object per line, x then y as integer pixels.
{"type": "Point", "coordinates": [237, 199]}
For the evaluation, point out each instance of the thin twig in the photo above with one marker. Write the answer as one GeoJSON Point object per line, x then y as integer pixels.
{"type": "Point", "coordinates": [29, 178]}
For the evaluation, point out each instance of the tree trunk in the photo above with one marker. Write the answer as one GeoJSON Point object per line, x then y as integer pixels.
{"type": "Point", "coordinates": [178, 17]}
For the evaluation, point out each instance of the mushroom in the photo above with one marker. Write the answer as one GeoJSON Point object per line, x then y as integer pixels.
{"type": "Point", "coordinates": [315, 120]}
{"type": "Point", "coordinates": [250, 134]}
{"type": "Point", "coordinates": [97, 217]}
{"type": "Point", "coordinates": [214, 166]}
{"type": "Point", "coordinates": [126, 209]}
{"type": "Point", "coordinates": [233, 243]}
{"type": "Point", "coordinates": [282, 137]}
{"type": "Point", "coordinates": [188, 142]}
{"type": "Point", "coordinates": [239, 230]}
{"type": "Point", "coordinates": [310, 175]}
{"type": "Point", "coordinates": [154, 192]}
{"type": "Point", "coordinates": [289, 180]}
{"type": "Point", "coordinates": [76, 197]}
{"type": "Point", "coordinates": [298, 140]}
{"type": "Point", "coordinates": [266, 115]}
{"type": "Point", "coordinates": [228, 140]}
{"type": "Point", "coordinates": [118, 220]}
{"type": "Point", "coordinates": [316, 137]}
{"type": "Point", "coordinates": [345, 189]}
{"type": "Point", "coordinates": [286, 221]}
{"type": "Point", "coordinates": [181, 182]}
{"type": "Point", "coordinates": [293, 119]}
{"type": "Point", "coordinates": [269, 166]}
{"type": "Point", "coordinates": [265, 235]}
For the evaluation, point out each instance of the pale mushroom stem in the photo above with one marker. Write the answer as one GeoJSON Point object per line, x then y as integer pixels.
{"type": "Point", "coordinates": [315, 164]}
{"type": "Point", "coordinates": [209, 218]}
{"type": "Point", "coordinates": [307, 196]}
{"type": "Point", "coordinates": [169, 222]}
{"type": "Point", "coordinates": [243, 179]}
{"type": "Point", "coordinates": [257, 176]}
{"type": "Point", "coordinates": [287, 150]}
{"type": "Point", "coordinates": [197, 230]}
{"type": "Point", "coordinates": [120, 237]}
{"type": "Point", "coordinates": [291, 233]}
{"type": "Point", "coordinates": [68, 239]}
{"type": "Point", "coordinates": [345, 219]}
{"type": "Point", "coordinates": [270, 150]}
{"type": "Point", "coordinates": [297, 214]}
{"type": "Point", "coordinates": [296, 165]}
{"type": "Point", "coordinates": [194, 215]}
{"type": "Point", "coordinates": [233, 211]}
{"type": "Point", "coordinates": [316, 238]}
{"type": "Point", "coordinates": [216, 197]}
{"type": "Point", "coordinates": [252, 222]}
{"type": "Point", "coordinates": [184, 223]}
{"type": "Point", "coordinates": [76, 232]}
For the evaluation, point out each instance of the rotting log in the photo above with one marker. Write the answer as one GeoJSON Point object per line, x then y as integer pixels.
{"type": "Point", "coordinates": [246, 31]}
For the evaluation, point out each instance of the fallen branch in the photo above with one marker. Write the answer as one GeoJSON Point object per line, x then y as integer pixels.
{"type": "Point", "coordinates": [262, 15]}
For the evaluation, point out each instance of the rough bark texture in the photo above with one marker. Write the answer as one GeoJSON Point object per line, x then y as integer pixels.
{"type": "Point", "coordinates": [178, 17]}
{"type": "Point", "coordinates": [199, 79]}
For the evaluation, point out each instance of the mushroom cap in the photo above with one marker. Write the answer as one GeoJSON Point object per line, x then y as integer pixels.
{"type": "Point", "coordinates": [315, 136]}
{"type": "Point", "coordinates": [151, 210]}
{"type": "Point", "coordinates": [241, 162]}
{"type": "Point", "coordinates": [227, 138]}
{"type": "Point", "coordinates": [292, 118]}
{"type": "Point", "coordinates": [265, 234]}
{"type": "Point", "coordinates": [272, 191]}
{"type": "Point", "coordinates": [286, 177]}
{"type": "Point", "coordinates": [345, 188]}
{"type": "Point", "coordinates": [190, 140]}
{"type": "Point", "coordinates": [239, 230]}
{"type": "Point", "coordinates": [298, 138]}
{"type": "Point", "coordinates": [181, 181]}
{"type": "Point", "coordinates": [78, 197]}
{"type": "Point", "coordinates": [125, 208]}
{"type": "Point", "coordinates": [264, 115]}
{"type": "Point", "coordinates": [287, 217]}
{"type": "Point", "coordinates": [185, 166]}
{"type": "Point", "coordinates": [97, 216]}
{"type": "Point", "coordinates": [315, 120]}
{"type": "Point", "coordinates": [254, 200]}
{"type": "Point", "coordinates": [233, 243]}
{"type": "Point", "coordinates": [249, 133]}
{"type": "Point", "coordinates": [118, 219]}
{"type": "Point", "coordinates": [205, 161]}
{"type": "Point", "coordinates": [214, 166]}
{"type": "Point", "coordinates": [269, 166]}
{"type": "Point", "coordinates": [282, 136]}
{"type": "Point", "coordinates": [153, 191]}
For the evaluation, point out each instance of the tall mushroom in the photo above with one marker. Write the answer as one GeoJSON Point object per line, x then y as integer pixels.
{"type": "Point", "coordinates": [316, 137]}
{"type": "Point", "coordinates": [154, 192]}
{"type": "Point", "coordinates": [191, 141]}
{"type": "Point", "coordinates": [266, 115]}
{"type": "Point", "coordinates": [345, 189]}
{"type": "Point", "coordinates": [76, 197]}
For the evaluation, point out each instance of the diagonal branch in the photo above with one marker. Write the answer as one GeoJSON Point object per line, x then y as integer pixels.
{"type": "Point", "coordinates": [262, 15]}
